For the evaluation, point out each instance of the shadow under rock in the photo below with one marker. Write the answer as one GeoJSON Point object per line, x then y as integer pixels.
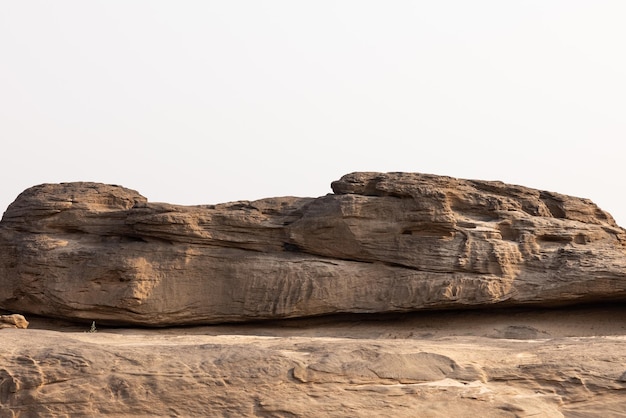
{"type": "Point", "coordinates": [507, 323]}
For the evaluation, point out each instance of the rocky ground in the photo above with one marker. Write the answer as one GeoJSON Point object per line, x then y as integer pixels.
{"type": "Point", "coordinates": [400, 294]}
{"type": "Point", "coordinates": [500, 363]}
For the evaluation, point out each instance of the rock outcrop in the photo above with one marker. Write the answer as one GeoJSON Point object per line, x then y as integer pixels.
{"type": "Point", "coordinates": [545, 363]}
{"type": "Point", "coordinates": [392, 242]}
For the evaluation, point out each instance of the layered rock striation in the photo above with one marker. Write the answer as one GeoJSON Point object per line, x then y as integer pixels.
{"type": "Point", "coordinates": [382, 242]}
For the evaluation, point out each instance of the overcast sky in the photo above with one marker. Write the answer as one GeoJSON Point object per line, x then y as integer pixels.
{"type": "Point", "coordinates": [195, 102]}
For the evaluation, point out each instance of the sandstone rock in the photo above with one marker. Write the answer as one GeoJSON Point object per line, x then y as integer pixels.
{"type": "Point", "coordinates": [438, 364]}
{"type": "Point", "coordinates": [392, 242]}
{"type": "Point", "coordinates": [13, 321]}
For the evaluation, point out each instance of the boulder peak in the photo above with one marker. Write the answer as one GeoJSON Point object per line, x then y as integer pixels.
{"type": "Point", "coordinates": [472, 194]}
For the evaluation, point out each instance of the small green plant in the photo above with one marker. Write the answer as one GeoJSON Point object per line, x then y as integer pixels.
{"type": "Point", "coordinates": [93, 327]}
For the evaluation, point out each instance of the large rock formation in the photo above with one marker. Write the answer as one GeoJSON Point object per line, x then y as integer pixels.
{"type": "Point", "coordinates": [382, 243]}
{"type": "Point", "coordinates": [390, 242]}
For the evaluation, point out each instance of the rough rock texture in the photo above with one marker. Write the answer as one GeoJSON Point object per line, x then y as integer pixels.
{"type": "Point", "coordinates": [390, 242]}
{"type": "Point", "coordinates": [13, 321]}
{"type": "Point", "coordinates": [545, 363]}
{"type": "Point", "coordinates": [382, 243]}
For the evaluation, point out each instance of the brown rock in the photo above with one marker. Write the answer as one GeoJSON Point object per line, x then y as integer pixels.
{"type": "Point", "coordinates": [382, 243]}
{"type": "Point", "coordinates": [435, 364]}
{"type": "Point", "coordinates": [13, 321]}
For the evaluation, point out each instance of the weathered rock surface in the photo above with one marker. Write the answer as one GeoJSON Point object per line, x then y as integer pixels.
{"type": "Point", "coordinates": [13, 321]}
{"type": "Point", "coordinates": [390, 242]}
{"type": "Point", "coordinates": [543, 363]}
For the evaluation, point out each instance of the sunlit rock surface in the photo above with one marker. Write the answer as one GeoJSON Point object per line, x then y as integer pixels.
{"type": "Point", "coordinates": [542, 363]}
{"type": "Point", "coordinates": [393, 242]}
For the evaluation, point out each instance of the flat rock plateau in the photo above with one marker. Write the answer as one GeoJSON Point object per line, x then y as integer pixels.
{"type": "Point", "coordinates": [399, 294]}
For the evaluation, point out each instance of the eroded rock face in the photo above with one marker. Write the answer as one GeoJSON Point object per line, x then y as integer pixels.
{"type": "Point", "coordinates": [381, 243]}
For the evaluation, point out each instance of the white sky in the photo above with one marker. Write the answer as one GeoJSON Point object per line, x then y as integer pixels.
{"type": "Point", "coordinates": [204, 102]}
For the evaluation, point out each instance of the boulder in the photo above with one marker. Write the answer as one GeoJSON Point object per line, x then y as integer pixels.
{"type": "Point", "coordinates": [13, 321]}
{"type": "Point", "coordinates": [382, 242]}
